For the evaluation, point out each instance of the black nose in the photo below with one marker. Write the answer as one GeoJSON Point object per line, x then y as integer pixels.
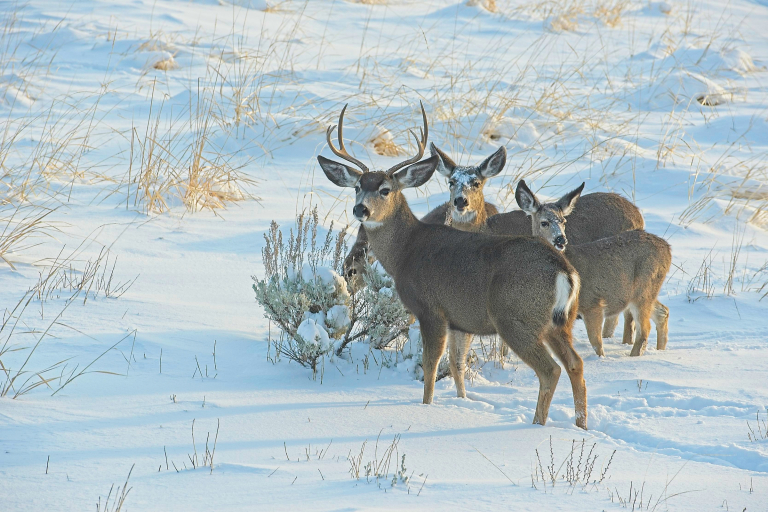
{"type": "Point", "coordinates": [560, 242]}
{"type": "Point", "coordinates": [460, 202]}
{"type": "Point", "coordinates": [360, 211]}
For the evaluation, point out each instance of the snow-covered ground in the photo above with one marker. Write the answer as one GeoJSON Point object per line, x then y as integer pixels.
{"type": "Point", "coordinates": [662, 102]}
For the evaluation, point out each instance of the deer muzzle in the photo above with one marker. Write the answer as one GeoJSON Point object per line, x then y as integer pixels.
{"type": "Point", "coordinates": [460, 203]}
{"type": "Point", "coordinates": [361, 212]}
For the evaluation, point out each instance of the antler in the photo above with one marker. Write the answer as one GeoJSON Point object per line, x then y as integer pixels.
{"type": "Point", "coordinates": [343, 151]}
{"type": "Point", "coordinates": [421, 143]}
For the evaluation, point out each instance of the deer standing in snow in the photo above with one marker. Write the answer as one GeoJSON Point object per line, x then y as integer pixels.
{"type": "Point", "coordinates": [599, 215]}
{"type": "Point", "coordinates": [622, 273]}
{"type": "Point", "coordinates": [517, 287]}
{"type": "Point", "coordinates": [466, 210]}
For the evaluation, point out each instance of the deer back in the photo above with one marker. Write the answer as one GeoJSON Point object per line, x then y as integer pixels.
{"type": "Point", "coordinates": [597, 215]}
{"type": "Point", "coordinates": [439, 269]}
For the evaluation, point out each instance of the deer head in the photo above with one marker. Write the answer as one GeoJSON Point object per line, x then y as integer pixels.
{"type": "Point", "coordinates": [378, 193]}
{"type": "Point", "coordinates": [466, 182]}
{"type": "Point", "coordinates": [548, 220]}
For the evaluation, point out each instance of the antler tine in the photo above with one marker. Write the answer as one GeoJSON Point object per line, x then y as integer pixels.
{"type": "Point", "coordinates": [421, 143]}
{"type": "Point", "coordinates": [342, 151]}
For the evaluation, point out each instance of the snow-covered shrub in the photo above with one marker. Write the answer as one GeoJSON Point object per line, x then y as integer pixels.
{"type": "Point", "coordinates": [383, 317]}
{"type": "Point", "coordinates": [302, 291]}
{"type": "Point", "coordinates": [303, 294]}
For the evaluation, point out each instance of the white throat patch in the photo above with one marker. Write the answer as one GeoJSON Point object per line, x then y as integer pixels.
{"type": "Point", "coordinates": [463, 217]}
{"type": "Point", "coordinates": [369, 224]}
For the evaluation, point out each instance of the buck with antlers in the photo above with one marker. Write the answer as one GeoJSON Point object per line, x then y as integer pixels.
{"type": "Point", "coordinates": [517, 287]}
{"type": "Point", "coordinates": [466, 210]}
{"type": "Point", "coordinates": [622, 273]}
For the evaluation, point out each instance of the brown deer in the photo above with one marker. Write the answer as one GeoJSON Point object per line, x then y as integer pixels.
{"type": "Point", "coordinates": [622, 273]}
{"type": "Point", "coordinates": [466, 209]}
{"type": "Point", "coordinates": [517, 287]}
{"type": "Point", "coordinates": [599, 215]}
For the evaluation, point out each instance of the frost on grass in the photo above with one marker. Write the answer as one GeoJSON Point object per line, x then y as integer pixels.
{"type": "Point", "coordinates": [304, 295]}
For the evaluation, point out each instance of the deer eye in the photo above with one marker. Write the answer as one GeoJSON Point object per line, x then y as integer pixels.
{"type": "Point", "coordinates": [384, 191]}
{"type": "Point", "coordinates": [544, 224]}
{"type": "Point", "coordinates": [357, 188]}
{"type": "Point", "coordinates": [475, 184]}
{"type": "Point", "coordinates": [451, 183]}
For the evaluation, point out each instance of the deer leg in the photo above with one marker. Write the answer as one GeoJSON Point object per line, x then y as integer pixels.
{"type": "Point", "coordinates": [629, 328]}
{"type": "Point", "coordinates": [433, 340]}
{"type": "Point", "coordinates": [458, 346]}
{"type": "Point", "coordinates": [560, 342]}
{"type": "Point", "coordinates": [525, 342]}
{"type": "Point", "coordinates": [593, 321]}
{"type": "Point", "coordinates": [464, 343]}
{"type": "Point", "coordinates": [610, 326]}
{"type": "Point", "coordinates": [660, 317]}
{"type": "Point", "coordinates": [503, 348]}
{"type": "Point", "coordinates": [643, 317]}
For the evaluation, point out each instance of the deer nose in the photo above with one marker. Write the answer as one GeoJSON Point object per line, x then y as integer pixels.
{"type": "Point", "coordinates": [560, 242]}
{"type": "Point", "coordinates": [360, 212]}
{"type": "Point", "coordinates": [460, 203]}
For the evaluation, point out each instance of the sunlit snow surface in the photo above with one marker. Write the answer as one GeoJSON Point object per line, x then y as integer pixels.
{"type": "Point", "coordinates": [616, 106]}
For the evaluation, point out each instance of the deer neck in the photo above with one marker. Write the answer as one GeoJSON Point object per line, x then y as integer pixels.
{"type": "Point", "coordinates": [388, 238]}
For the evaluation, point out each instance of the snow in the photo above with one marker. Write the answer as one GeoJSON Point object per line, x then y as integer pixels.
{"type": "Point", "coordinates": [338, 317]}
{"type": "Point", "coordinates": [616, 107]}
{"type": "Point", "coordinates": [312, 332]}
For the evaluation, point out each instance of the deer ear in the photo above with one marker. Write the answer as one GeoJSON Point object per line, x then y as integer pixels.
{"type": "Point", "coordinates": [526, 199]}
{"type": "Point", "coordinates": [417, 174]}
{"type": "Point", "coordinates": [494, 164]}
{"type": "Point", "coordinates": [568, 202]}
{"type": "Point", "coordinates": [445, 166]}
{"type": "Point", "coordinates": [340, 175]}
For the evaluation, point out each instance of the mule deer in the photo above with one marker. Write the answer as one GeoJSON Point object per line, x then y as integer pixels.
{"type": "Point", "coordinates": [517, 287]}
{"type": "Point", "coordinates": [466, 209]}
{"type": "Point", "coordinates": [599, 215]}
{"type": "Point", "coordinates": [622, 273]}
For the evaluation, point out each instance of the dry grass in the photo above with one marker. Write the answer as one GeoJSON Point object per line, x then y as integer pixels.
{"type": "Point", "coordinates": [610, 12]}
{"type": "Point", "coordinates": [97, 276]}
{"type": "Point", "coordinates": [488, 5]}
{"type": "Point", "coordinates": [42, 155]}
{"type": "Point", "coordinates": [567, 20]}
{"type": "Point", "coordinates": [182, 165]}
{"type": "Point", "coordinates": [384, 144]}
{"type": "Point", "coordinates": [578, 468]}
{"type": "Point", "coordinates": [23, 227]}
{"type": "Point", "coordinates": [121, 493]}
{"type": "Point", "coordinates": [202, 460]}
{"type": "Point", "coordinates": [166, 64]}
{"type": "Point", "coordinates": [16, 358]}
